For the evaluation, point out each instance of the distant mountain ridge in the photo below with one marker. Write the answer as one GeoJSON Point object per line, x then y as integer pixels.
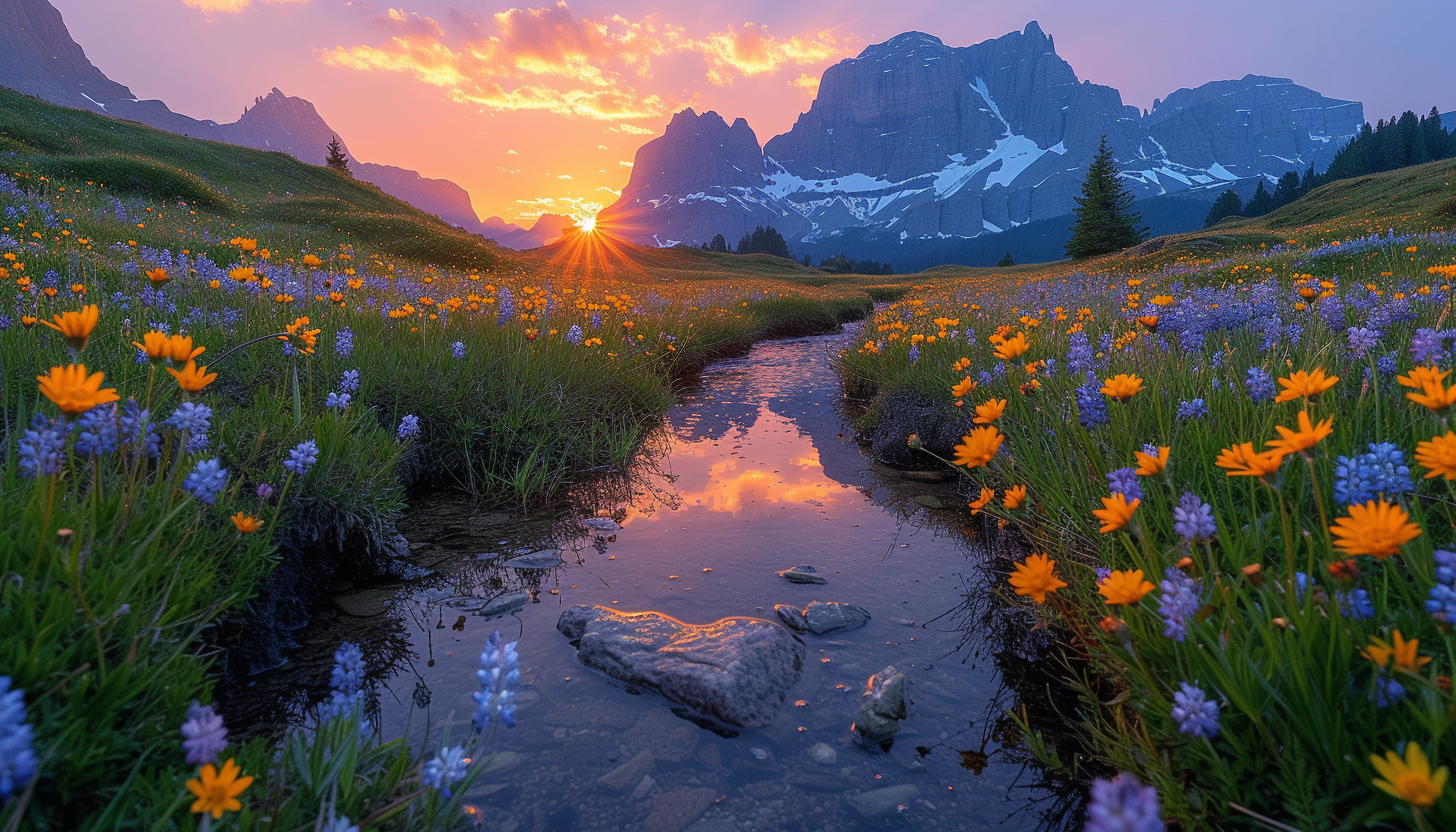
{"type": "Point", "coordinates": [39, 57]}
{"type": "Point", "coordinates": [914, 140]}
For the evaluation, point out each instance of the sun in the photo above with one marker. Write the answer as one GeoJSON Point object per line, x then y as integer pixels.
{"type": "Point", "coordinates": [587, 224]}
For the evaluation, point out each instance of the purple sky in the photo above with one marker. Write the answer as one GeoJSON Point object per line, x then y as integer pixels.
{"type": "Point", "coordinates": [541, 106]}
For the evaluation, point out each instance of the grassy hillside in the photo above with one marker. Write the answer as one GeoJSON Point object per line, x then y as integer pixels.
{"type": "Point", "coordinates": [226, 184]}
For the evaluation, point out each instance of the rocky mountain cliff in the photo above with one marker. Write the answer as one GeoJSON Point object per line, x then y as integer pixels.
{"type": "Point", "coordinates": [916, 140]}
{"type": "Point", "coordinates": [38, 57]}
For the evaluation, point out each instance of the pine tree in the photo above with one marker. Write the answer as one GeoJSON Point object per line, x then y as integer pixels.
{"type": "Point", "coordinates": [718, 244]}
{"type": "Point", "coordinates": [1105, 221]}
{"type": "Point", "coordinates": [1287, 190]}
{"type": "Point", "coordinates": [1227, 205]}
{"type": "Point", "coordinates": [337, 159]}
{"type": "Point", "coordinates": [1005, 261]}
{"type": "Point", "coordinates": [806, 260]}
{"type": "Point", "coordinates": [1260, 203]}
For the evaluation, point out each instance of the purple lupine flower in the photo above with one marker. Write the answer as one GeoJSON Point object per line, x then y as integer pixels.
{"type": "Point", "coordinates": [43, 446]}
{"type": "Point", "coordinates": [409, 425]}
{"type": "Point", "coordinates": [98, 431]}
{"type": "Point", "coordinates": [346, 683]}
{"type": "Point", "coordinates": [1123, 804]}
{"type": "Point", "coordinates": [191, 417]}
{"type": "Point", "coordinates": [448, 767]}
{"type": "Point", "coordinates": [1079, 355]}
{"type": "Point", "coordinates": [264, 490]}
{"type": "Point", "coordinates": [138, 431]}
{"type": "Point", "coordinates": [349, 383]}
{"type": "Point", "coordinates": [302, 457]}
{"type": "Point", "coordinates": [1124, 481]}
{"type": "Point", "coordinates": [1091, 405]}
{"type": "Point", "coordinates": [338, 401]}
{"type": "Point", "coordinates": [499, 677]}
{"type": "Point", "coordinates": [574, 335]}
{"type": "Point", "coordinates": [206, 481]}
{"type": "Point", "coordinates": [344, 342]}
{"type": "Point", "coordinates": [1178, 601]}
{"type": "Point", "coordinates": [1381, 471]}
{"type": "Point", "coordinates": [1259, 384]}
{"type": "Point", "coordinates": [1387, 691]}
{"type": "Point", "coordinates": [17, 754]}
{"type": "Point", "coordinates": [1428, 345]}
{"type": "Point", "coordinates": [1193, 519]}
{"type": "Point", "coordinates": [457, 349]}
{"type": "Point", "coordinates": [1442, 601]}
{"type": "Point", "coordinates": [1362, 340]}
{"type": "Point", "coordinates": [914, 353]}
{"type": "Point", "coordinates": [506, 307]}
{"type": "Point", "coordinates": [203, 735]}
{"type": "Point", "coordinates": [1357, 604]}
{"type": "Point", "coordinates": [1195, 714]}
{"type": "Point", "coordinates": [1196, 409]}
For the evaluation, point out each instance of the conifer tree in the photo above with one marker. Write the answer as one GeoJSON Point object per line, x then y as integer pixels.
{"type": "Point", "coordinates": [1005, 261]}
{"type": "Point", "coordinates": [1227, 205]}
{"type": "Point", "coordinates": [337, 159]}
{"type": "Point", "coordinates": [1261, 203]}
{"type": "Point", "coordinates": [718, 243]}
{"type": "Point", "coordinates": [1105, 221]}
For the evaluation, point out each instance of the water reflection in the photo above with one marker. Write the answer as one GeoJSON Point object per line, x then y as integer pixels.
{"type": "Point", "coordinates": [753, 473]}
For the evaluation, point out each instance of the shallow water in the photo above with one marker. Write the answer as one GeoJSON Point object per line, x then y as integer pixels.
{"type": "Point", "coordinates": [755, 472]}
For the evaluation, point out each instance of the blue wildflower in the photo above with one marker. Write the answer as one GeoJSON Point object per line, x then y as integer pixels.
{"type": "Point", "coordinates": [1124, 481]}
{"type": "Point", "coordinates": [1428, 346]}
{"type": "Point", "coordinates": [1193, 518]}
{"type": "Point", "coordinates": [1123, 804]}
{"type": "Point", "coordinates": [1442, 601]}
{"type": "Point", "coordinates": [302, 457]}
{"type": "Point", "coordinates": [409, 425]}
{"type": "Point", "coordinates": [596, 321]}
{"type": "Point", "coordinates": [457, 349]}
{"type": "Point", "coordinates": [203, 735]}
{"type": "Point", "coordinates": [1196, 409]}
{"type": "Point", "coordinates": [1259, 384]}
{"type": "Point", "coordinates": [448, 767]}
{"type": "Point", "coordinates": [99, 434]}
{"type": "Point", "coordinates": [506, 307]}
{"type": "Point", "coordinates": [1179, 599]}
{"type": "Point", "coordinates": [43, 447]}
{"type": "Point", "coordinates": [17, 756]}
{"type": "Point", "coordinates": [499, 676]}
{"type": "Point", "coordinates": [350, 382]}
{"type": "Point", "coordinates": [1362, 340]}
{"type": "Point", "coordinates": [1091, 405]}
{"type": "Point", "coordinates": [138, 431]}
{"type": "Point", "coordinates": [914, 354]}
{"type": "Point", "coordinates": [190, 416]}
{"type": "Point", "coordinates": [1079, 356]}
{"type": "Point", "coordinates": [1195, 715]}
{"type": "Point", "coordinates": [339, 823]}
{"type": "Point", "coordinates": [346, 683]}
{"type": "Point", "coordinates": [1387, 691]}
{"type": "Point", "coordinates": [1356, 604]}
{"type": "Point", "coordinates": [1381, 471]}
{"type": "Point", "coordinates": [344, 342]}
{"type": "Point", "coordinates": [338, 401]}
{"type": "Point", "coordinates": [574, 335]}
{"type": "Point", "coordinates": [206, 481]}
{"type": "Point", "coordinates": [264, 490]}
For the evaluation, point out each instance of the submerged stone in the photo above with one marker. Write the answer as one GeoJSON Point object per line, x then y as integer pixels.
{"type": "Point", "coordinates": [544, 559]}
{"type": "Point", "coordinates": [823, 617]}
{"type": "Point", "coordinates": [803, 575]}
{"type": "Point", "coordinates": [884, 802]}
{"type": "Point", "coordinates": [504, 603]}
{"type": "Point", "coordinates": [735, 670]}
{"type": "Point", "coordinates": [881, 708]}
{"type": "Point", "coordinates": [605, 525]}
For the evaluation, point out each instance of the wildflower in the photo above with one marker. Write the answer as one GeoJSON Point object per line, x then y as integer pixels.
{"type": "Point", "coordinates": [349, 383]}
{"type": "Point", "coordinates": [1149, 321]}
{"type": "Point", "coordinates": [1151, 461]}
{"type": "Point", "coordinates": [300, 336]}
{"type": "Point", "coordinates": [1091, 406]}
{"type": "Point", "coordinates": [203, 735]}
{"type": "Point", "coordinates": [1193, 518]}
{"type": "Point", "coordinates": [574, 336]}
{"type": "Point", "coordinates": [1125, 587]}
{"type": "Point", "coordinates": [499, 676]}
{"type": "Point", "coordinates": [1179, 600]}
{"type": "Point", "coordinates": [99, 433]}
{"type": "Point", "coordinates": [302, 457]}
{"type": "Point", "coordinates": [75, 392]}
{"type": "Point", "coordinates": [1124, 481]}
{"type": "Point", "coordinates": [1259, 384]}
{"type": "Point", "coordinates": [1122, 386]}
{"type": "Point", "coordinates": [1123, 804]}
{"type": "Point", "coordinates": [154, 345]}
{"type": "Point", "coordinates": [989, 412]}
{"type": "Point", "coordinates": [987, 495]}
{"type": "Point", "coordinates": [217, 792]}
{"type": "Point", "coordinates": [344, 342]}
{"type": "Point", "coordinates": [338, 823]}
{"type": "Point", "coordinates": [1387, 691]}
{"type": "Point", "coordinates": [1362, 478]}
{"type": "Point", "coordinates": [963, 388]}
{"type": "Point", "coordinates": [338, 401]}
{"type": "Point", "coordinates": [1410, 779]}
{"type": "Point", "coordinates": [1115, 513]}
{"type": "Point", "coordinates": [1433, 395]}
{"type": "Point", "coordinates": [979, 447]}
{"type": "Point", "coordinates": [206, 480]}
{"type": "Point", "coordinates": [1356, 604]}
{"type": "Point", "coordinates": [158, 276]}
{"type": "Point", "coordinates": [1442, 600]}
{"type": "Point", "coordinates": [1427, 345]}
{"type": "Point", "coordinates": [1014, 497]}
{"type": "Point", "coordinates": [192, 378]}
{"type": "Point", "coordinates": [914, 353]}
{"type": "Point", "coordinates": [1196, 409]}
{"type": "Point", "coordinates": [1305, 385]}
{"type": "Point", "coordinates": [42, 447]}
{"type": "Point", "coordinates": [1376, 528]}
{"type": "Point", "coordinates": [448, 767]}
{"type": "Point", "coordinates": [191, 417]}
{"type": "Point", "coordinates": [1244, 461]}
{"type": "Point", "coordinates": [506, 308]}
{"type": "Point", "coordinates": [1308, 435]}
{"type": "Point", "coordinates": [457, 349]}
{"type": "Point", "coordinates": [1036, 576]}
{"type": "Point", "coordinates": [1399, 651]}
{"type": "Point", "coordinates": [1439, 455]}
{"type": "Point", "coordinates": [409, 426]}
{"type": "Point", "coordinates": [346, 683]}
{"type": "Point", "coordinates": [180, 349]}
{"type": "Point", "coordinates": [1362, 340]}
{"type": "Point", "coordinates": [1012, 347]}
{"type": "Point", "coordinates": [1195, 715]}
{"type": "Point", "coordinates": [245, 523]}
{"type": "Point", "coordinates": [76, 327]}
{"type": "Point", "coordinates": [17, 755]}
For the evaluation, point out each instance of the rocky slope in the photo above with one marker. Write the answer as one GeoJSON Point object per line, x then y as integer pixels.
{"type": "Point", "coordinates": [917, 140]}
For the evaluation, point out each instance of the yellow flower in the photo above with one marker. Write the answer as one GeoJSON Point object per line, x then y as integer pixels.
{"type": "Point", "coordinates": [1403, 652]}
{"type": "Point", "coordinates": [1376, 528]}
{"type": "Point", "coordinates": [1149, 465]}
{"type": "Point", "coordinates": [1149, 321]}
{"type": "Point", "coordinates": [990, 411]}
{"type": "Point", "coordinates": [243, 274]}
{"type": "Point", "coordinates": [1124, 587]}
{"type": "Point", "coordinates": [963, 388]}
{"type": "Point", "coordinates": [1305, 385]}
{"type": "Point", "coordinates": [1036, 576]}
{"type": "Point", "coordinates": [180, 349]}
{"type": "Point", "coordinates": [987, 495]}
{"type": "Point", "coordinates": [312, 260]}
{"type": "Point", "coordinates": [246, 524]}
{"type": "Point", "coordinates": [1015, 496]}
{"type": "Point", "coordinates": [155, 344]}
{"type": "Point", "coordinates": [76, 327]}
{"type": "Point", "coordinates": [217, 792]}
{"type": "Point", "coordinates": [1438, 454]}
{"type": "Point", "coordinates": [192, 378]}
{"type": "Point", "coordinates": [979, 447]}
{"type": "Point", "coordinates": [1431, 382]}
{"type": "Point", "coordinates": [1307, 436]}
{"type": "Point", "coordinates": [1116, 512]}
{"type": "Point", "coordinates": [1244, 461]}
{"type": "Point", "coordinates": [158, 276]}
{"type": "Point", "coordinates": [1410, 779]}
{"type": "Point", "coordinates": [302, 337]}
{"type": "Point", "coordinates": [73, 391]}
{"type": "Point", "coordinates": [1012, 347]}
{"type": "Point", "coordinates": [1122, 386]}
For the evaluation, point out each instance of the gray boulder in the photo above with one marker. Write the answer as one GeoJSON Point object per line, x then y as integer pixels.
{"type": "Point", "coordinates": [736, 670]}
{"type": "Point", "coordinates": [823, 617]}
{"type": "Point", "coordinates": [803, 575]}
{"type": "Point", "coordinates": [881, 708]}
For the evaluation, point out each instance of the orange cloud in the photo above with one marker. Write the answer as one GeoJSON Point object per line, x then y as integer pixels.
{"type": "Point", "coordinates": [230, 6]}
{"type": "Point", "coordinates": [551, 60]}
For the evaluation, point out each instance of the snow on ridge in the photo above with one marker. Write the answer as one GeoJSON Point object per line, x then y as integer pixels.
{"type": "Point", "coordinates": [985, 93]}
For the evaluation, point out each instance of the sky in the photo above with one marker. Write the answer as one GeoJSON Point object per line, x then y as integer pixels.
{"type": "Point", "coordinates": [540, 106]}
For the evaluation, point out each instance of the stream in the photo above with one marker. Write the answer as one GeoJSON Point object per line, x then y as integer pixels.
{"type": "Point", "coordinates": [754, 471]}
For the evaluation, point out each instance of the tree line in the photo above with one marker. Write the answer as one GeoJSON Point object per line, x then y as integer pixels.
{"type": "Point", "coordinates": [768, 240]}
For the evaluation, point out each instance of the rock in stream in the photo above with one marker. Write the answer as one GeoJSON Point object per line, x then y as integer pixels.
{"type": "Point", "coordinates": [822, 617]}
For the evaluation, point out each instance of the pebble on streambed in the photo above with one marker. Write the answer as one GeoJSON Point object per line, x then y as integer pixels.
{"type": "Point", "coordinates": [803, 575]}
